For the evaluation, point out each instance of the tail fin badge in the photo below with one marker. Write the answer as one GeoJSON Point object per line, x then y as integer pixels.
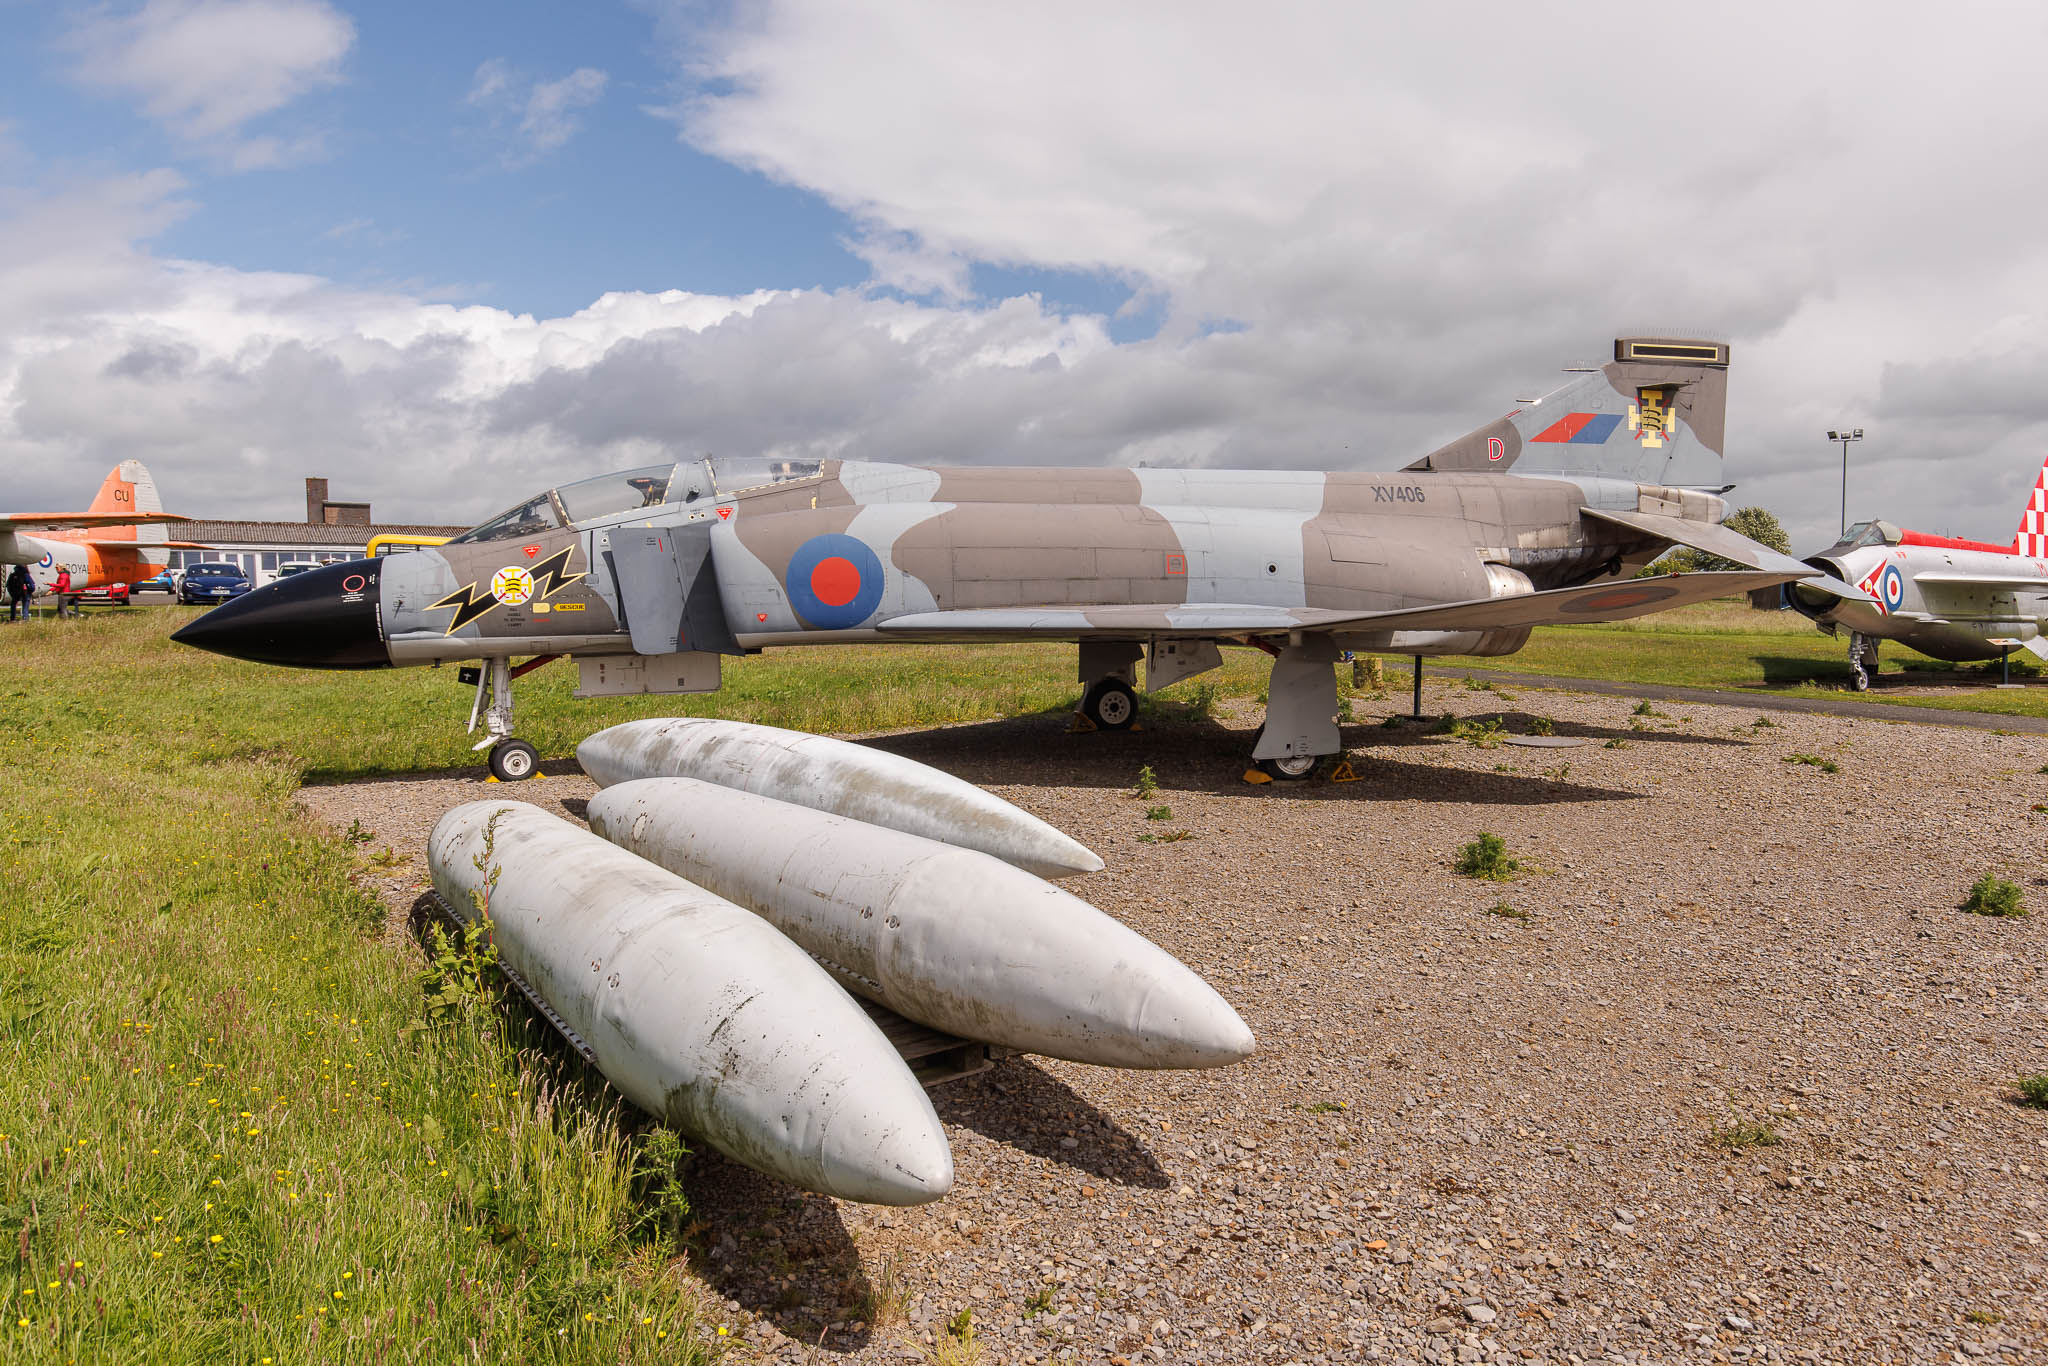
{"type": "Point", "coordinates": [1651, 418]}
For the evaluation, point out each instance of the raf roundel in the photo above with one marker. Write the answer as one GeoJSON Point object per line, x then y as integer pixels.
{"type": "Point", "coordinates": [835, 582]}
{"type": "Point", "coordinates": [1891, 587]}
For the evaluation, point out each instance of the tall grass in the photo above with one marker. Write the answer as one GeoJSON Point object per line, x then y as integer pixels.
{"type": "Point", "coordinates": [227, 1129]}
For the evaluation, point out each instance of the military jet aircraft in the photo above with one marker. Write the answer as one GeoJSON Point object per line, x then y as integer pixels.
{"type": "Point", "coordinates": [647, 578]}
{"type": "Point", "coordinates": [1951, 599]}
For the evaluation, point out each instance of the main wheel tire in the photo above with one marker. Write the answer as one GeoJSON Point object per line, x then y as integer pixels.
{"type": "Point", "coordinates": [512, 760]}
{"type": "Point", "coordinates": [1859, 679]}
{"type": "Point", "coordinates": [1291, 769]}
{"type": "Point", "coordinates": [1111, 705]}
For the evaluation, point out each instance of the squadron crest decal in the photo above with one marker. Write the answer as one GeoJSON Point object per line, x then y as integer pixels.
{"type": "Point", "coordinates": [513, 586]}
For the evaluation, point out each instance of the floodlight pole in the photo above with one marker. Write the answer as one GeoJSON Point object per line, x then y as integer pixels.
{"type": "Point", "coordinates": [1845, 436]}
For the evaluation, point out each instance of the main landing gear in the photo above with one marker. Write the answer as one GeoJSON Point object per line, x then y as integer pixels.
{"type": "Point", "coordinates": [1301, 710]}
{"type": "Point", "coordinates": [510, 759]}
{"type": "Point", "coordinates": [1109, 699]}
{"type": "Point", "coordinates": [1301, 700]}
{"type": "Point", "coordinates": [1862, 660]}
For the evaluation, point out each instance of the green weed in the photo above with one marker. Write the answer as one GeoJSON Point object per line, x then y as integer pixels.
{"type": "Point", "coordinates": [1148, 783]}
{"type": "Point", "coordinates": [1158, 813]}
{"type": "Point", "coordinates": [2034, 1090]}
{"type": "Point", "coordinates": [1507, 912]}
{"type": "Point", "coordinates": [1813, 761]}
{"type": "Point", "coordinates": [1487, 734]}
{"type": "Point", "coordinates": [1542, 725]}
{"type": "Point", "coordinates": [1739, 1134]}
{"type": "Point", "coordinates": [1616, 743]}
{"type": "Point", "coordinates": [1995, 896]}
{"type": "Point", "coordinates": [1487, 857]}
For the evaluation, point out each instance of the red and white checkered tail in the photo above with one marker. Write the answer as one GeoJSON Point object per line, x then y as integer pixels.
{"type": "Point", "coordinates": [2033, 533]}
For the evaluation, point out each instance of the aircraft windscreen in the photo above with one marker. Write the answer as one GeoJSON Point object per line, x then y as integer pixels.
{"type": "Point", "coordinates": [1864, 533]}
{"type": "Point", "coordinates": [530, 518]}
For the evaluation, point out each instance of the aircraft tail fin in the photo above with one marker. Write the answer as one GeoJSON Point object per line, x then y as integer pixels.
{"type": "Point", "coordinates": [2032, 537]}
{"type": "Point", "coordinates": [129, 487]}
{"type": "Point", "coordinates": [1657, 414]}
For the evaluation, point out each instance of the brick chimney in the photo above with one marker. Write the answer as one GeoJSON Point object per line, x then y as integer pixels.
{"type": "Point", "coordinates": [316, 501]}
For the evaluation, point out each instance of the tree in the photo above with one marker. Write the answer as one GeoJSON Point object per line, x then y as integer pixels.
{"type": "Point", "coordinates": [1754, 522]}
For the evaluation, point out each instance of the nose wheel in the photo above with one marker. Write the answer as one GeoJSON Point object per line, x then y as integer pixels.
{"type": "Point", "coordinates": [512, 760]}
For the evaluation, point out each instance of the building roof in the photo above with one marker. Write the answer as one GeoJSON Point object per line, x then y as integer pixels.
{"type": "Point", "coordinates": [226, 534]}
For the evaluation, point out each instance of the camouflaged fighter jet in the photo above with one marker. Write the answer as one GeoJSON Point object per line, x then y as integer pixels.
{"type": "Point", "coordinates": [649, 577]}
{"type": "Point", "coordinates": [1948, 598]}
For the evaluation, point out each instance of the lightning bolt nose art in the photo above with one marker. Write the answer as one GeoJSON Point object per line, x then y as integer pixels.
{"type": "Point", "coordinates": [513, 586]}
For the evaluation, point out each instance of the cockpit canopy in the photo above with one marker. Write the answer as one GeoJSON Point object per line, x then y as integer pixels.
{"type": "Point", "coordinates": [628, 491]}
{"type": "Point", "coordinates": [1870, 533]}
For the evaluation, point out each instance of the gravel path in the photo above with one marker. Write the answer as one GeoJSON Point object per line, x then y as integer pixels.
{"type": "Point", "coordinates": [1470, 1135]}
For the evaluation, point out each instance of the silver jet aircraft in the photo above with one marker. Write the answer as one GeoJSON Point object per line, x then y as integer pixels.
{"type": "Point", "coordinates": [649, 577]}
{"type": "Point", "coordinates": [1951, 599]}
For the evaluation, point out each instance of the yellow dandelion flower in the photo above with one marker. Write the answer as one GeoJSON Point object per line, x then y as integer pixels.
{"type": "Point", "coordinates": [339, 1296]}
{"type": "Point", "coordinates": [214, 1239]}
{"type": "Point", "coordinates": [645, 1322]}
{"type": "Point", "coordinates": [21, 1323]}
{"type": "Point", "coordinates": [155, 1255]}
{"type": "Point", "coordinates": [589, 1318]}
{"type": "Point", "coordinates": [348, 1275]}
{"type": "Point", "coordinates": [254, 1132]}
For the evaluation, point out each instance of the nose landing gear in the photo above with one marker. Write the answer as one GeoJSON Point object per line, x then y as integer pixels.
{"type": "Point", "coordinates": [510, 759]}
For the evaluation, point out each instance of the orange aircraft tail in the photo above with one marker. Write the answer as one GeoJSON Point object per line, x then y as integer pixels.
{"type": "Point", "coordinates": [129, 489]}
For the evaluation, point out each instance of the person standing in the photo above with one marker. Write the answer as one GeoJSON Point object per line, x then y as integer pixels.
{"type": "Point", "coordinates": [20, 587]}
{"type": "Point", "coordinates": [62, 587]}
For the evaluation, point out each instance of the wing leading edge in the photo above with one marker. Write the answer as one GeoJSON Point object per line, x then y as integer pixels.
{"type": "Point", "coordinates": [1613, 601]}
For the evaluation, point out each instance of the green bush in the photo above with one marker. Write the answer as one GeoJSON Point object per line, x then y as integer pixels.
{"type": "Point", "coordinates": [1993, 895]}
{"type": "Point", "coordinates": [1487, 857]}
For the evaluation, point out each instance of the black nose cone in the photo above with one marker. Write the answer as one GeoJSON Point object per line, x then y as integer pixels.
{"type": "Point", "coordinates": [322, 619]}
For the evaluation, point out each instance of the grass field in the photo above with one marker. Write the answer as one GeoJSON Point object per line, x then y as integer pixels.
{"type": "Point", "coordinates": [234, 1127]}
{"type": "Point", "coordinates": [1730, 646]}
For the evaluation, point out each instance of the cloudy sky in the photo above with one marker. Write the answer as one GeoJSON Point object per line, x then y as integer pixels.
{"type": "Point", "coordinates": [446, 253]}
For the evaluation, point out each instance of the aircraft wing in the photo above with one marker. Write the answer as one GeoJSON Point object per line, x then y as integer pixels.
{"type": "Point", "coordinates": [1615, 600]}
{"type": "Point", "coordinates": [1708, 536]}
{"type": "Point", "coordinates": [2017, 582]}
{"type": "Point", "coordinates": [75, 521]}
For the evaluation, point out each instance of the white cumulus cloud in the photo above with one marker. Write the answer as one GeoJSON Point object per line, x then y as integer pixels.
{"type": "Point", "coordinates": [206, 69]}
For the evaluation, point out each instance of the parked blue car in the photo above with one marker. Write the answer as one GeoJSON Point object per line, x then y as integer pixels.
{"type": "Point", "coordinates": [212, 583]}
{"type": "Point", "coordinates": [160, 583]}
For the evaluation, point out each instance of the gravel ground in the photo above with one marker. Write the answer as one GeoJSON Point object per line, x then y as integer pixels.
{"type": "Point", "coordinates": [1481, 1124]}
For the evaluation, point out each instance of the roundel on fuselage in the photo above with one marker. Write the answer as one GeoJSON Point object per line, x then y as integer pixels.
{"type": "Point", "coordinates": [835, 582]}
{"type": "Point", "coordinates": [1891, 586]}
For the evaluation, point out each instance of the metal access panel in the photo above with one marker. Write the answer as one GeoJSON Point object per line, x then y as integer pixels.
{"type": "Point", "coordinates": [633, 675]}
{"type": "Point", "coordinates": [668, 590]}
